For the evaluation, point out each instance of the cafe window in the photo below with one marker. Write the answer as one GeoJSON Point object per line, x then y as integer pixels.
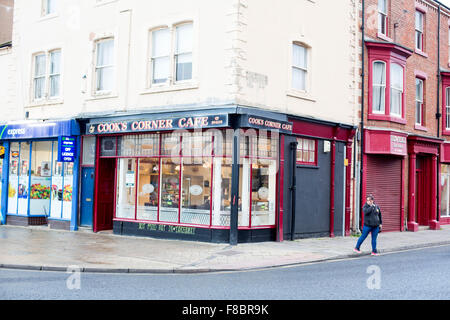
{"type": "Point", "coordinates": [185, 178]}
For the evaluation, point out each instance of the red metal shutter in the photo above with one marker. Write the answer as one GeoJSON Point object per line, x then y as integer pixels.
{"type": "Point", "coordinates": [384, 182]}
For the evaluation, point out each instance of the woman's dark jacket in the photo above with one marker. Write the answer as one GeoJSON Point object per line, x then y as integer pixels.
{"type": "Point", "coordinates": [372, 215]}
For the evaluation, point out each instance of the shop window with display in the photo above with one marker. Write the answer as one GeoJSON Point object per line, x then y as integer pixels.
{"type": "Point", "coordinates": [185, 178]}
{"type": "Point", "coordinates": [39, 185]}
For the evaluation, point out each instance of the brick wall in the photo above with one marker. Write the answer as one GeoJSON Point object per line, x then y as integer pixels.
{"type": "Point", "coordinates": [401, 30]}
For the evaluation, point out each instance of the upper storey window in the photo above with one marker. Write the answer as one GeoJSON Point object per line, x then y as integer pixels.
{"type": "Point", "coordinates": [382, 17]}
{"type": "Point", "coordinates": [48, 7]}
{"type": "Point", "coordinates": [171, 54]}
{"type": "Point", "coordinates": [299, 67]}
{"type": "Point", "coordinates": [387, 63]}
{"type": "Point", "coordinates": [419, 30]}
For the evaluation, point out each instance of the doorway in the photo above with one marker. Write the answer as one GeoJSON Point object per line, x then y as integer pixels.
{"type": "Point", "coordinates": [87, 196]}
{"type": "Point", "coordinates": [422, 191]}
{"type": "Point", "coordinates": [104, 212]}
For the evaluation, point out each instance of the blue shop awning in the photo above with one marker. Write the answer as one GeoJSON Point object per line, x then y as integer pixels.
{"type": "Point", "coordinates": [39, 129]}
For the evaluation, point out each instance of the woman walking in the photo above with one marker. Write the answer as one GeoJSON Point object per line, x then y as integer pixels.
{"type": "Point", "coordinates": [372, 224]}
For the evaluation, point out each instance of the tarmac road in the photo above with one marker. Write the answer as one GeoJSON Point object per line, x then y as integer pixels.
{"type": "Point", "coordinates": [414, 274]}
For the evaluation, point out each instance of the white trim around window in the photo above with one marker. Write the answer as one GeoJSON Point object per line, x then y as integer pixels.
{"type": "Point", "coordinates": [382, 17]}
{"type": "Point", "coordinates": [419, 101]}
{"type": "Point", "coordinates": [46, 80]}
{"type": "Point", "coordinates": [299, 69]}
{"type": "Point", "coordinates": [104, 71]}
{"type": "Point", "coordinates": [447, 108]}
{"type": "Point", "coordinates": [397, 79]}
{"type": "Point", "coordinates": [379, 87]}
{"type": "Point", "coordinates": [170, 58]}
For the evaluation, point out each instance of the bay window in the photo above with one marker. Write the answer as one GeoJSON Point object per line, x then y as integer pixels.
{"type": "Point", "coordinates": [396, 89]}
{"type": "Point", "coordinates": [379, 87]}
{"type": "Point", "coordinates": [386, 98]}
{"type": "Point", "coordinates": [447, 108]}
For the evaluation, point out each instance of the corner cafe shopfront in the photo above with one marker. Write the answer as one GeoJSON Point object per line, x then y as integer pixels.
{"type": "Point", "coordinates": [39, 170]}
{"type": "Point", "coordinates": [209, 175]}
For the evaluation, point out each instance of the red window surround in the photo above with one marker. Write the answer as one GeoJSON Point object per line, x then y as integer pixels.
{"type": "Point", "coordinates": [387, 53]}
{"type": "Point", "coordinates": [445, 85]}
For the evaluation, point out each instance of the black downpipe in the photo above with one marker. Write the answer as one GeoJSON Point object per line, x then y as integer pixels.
{"type": "Point", "coordinates": [293, 187]}
{"type": "Point", "coordinates": [361, 132]}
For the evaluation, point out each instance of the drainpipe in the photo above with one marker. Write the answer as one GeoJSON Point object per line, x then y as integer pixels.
{"type": "Point", "coordinates": [361, 132]}
{"type": "Point", "coordinates": [293, 187]}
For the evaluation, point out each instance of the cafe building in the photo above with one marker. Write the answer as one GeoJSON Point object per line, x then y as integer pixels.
{"type": "Point", "coordinates": [217, 175]}
{"type": "Point", "coordinates": [39, 171]}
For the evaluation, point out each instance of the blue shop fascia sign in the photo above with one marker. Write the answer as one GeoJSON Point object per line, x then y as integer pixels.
{"type": "Point", "coordinates": [39, 130]}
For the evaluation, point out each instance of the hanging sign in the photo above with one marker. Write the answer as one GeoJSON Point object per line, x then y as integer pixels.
{"type": "Point", "coordinates": [66, 149]}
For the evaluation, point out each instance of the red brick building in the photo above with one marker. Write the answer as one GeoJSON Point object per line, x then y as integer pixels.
{"type": "Point", "coordinates": [406, 130]}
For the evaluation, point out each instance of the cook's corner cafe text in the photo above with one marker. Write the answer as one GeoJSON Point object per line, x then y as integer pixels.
{"type": "Point", "coordinates": [39, 171]}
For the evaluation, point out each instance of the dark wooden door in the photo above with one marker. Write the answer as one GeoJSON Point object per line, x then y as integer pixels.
{"type": "Point", "coordinates": [105, 195]}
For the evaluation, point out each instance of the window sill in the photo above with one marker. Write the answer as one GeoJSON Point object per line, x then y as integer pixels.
{"type": "Point", "coordinates": [101, 3]}
{"type": "Point", "coordinates": [383, 117]}
{"type": "Point", "coordinates": [300, 95]}
{"type": "Point", "coordinates": [384, 37]}
{"type": "Point", "coordinates": [420, 52]}
{"type": "Point", "coordinates": [44, 103]}
{"type": "Point", "coordinates": [170, 88]}
{"type": "Point", "coordinates": [419, 127]}
{"type": "Point", "coordinates": [100, 96]}
{"type": "Point", "coordinates": [48, 17]}
{"type": "Point", "coordinates": [307, 166]}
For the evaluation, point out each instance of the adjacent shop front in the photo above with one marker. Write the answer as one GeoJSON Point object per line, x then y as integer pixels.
{"type": "Point", "coordinates": [39, 170]}
{"type": "Point", "coordinates": [384, 162]}
{"type": "Point", "coordinates": [171, 175]}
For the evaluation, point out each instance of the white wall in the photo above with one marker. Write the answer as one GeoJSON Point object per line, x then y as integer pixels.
{"type": "Point", "coordinates": [242, 54]}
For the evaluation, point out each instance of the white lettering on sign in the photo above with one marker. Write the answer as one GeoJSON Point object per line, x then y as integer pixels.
{"type": "Point", "coordinates": [398, 144]}
{"type": "Point", "coordinates": [13, 132]}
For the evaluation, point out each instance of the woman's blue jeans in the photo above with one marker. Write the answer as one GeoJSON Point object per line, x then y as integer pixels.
{"type": "Point", "coordinates": [365, 232]}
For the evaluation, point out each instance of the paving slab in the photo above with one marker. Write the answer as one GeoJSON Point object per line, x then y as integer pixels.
{"type": "Point", "coordinates": [41, 248]}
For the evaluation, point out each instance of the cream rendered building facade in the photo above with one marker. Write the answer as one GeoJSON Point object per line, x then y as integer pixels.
{"type": "Point", "coordinates": [242, 54]}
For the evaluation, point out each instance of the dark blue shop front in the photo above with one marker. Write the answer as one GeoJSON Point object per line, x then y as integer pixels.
{"type": "Point", "coordinates": [39, 173]}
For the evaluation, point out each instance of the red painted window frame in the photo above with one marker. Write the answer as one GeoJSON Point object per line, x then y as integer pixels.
{"type": "Point", "coordinates": [445, 85]}
{"type": "Point", "coordinates": [213, 155]}
{"type": "Point", "coordinates": [388, 53]}
{"type": "Point", "coordinates": [309, 163]}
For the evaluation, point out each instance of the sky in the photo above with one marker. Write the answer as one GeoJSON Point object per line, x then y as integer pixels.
{"type": "Point", "coordinates": [446, 2]}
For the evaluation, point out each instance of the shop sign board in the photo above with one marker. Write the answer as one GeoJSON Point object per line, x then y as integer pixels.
{"type": "Point", "coordinates": [66, 149]}
{"type": "Point", "coordinates": [266, 123]}
{"type": "Point", "coordinates": [32, 130]}
{"type": "Point", "coordinates": [165, 124]}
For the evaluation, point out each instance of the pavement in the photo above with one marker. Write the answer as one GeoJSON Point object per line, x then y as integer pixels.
{"type": "Point", "coordinates": [41, 248]}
